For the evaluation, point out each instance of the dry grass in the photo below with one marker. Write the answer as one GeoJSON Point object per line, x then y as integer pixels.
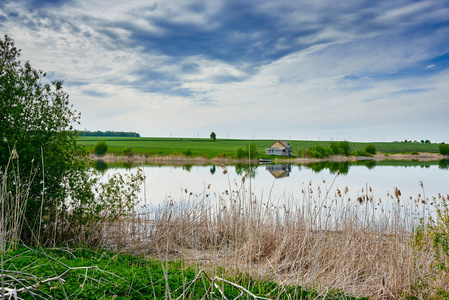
{"type": "Point", "coordinates": [321, 241]}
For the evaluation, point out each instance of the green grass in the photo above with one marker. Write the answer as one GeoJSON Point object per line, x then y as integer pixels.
{"type": "Point", "coordinates": [86, 274]}
{"type": "Point", "coordinates": [208, 148]}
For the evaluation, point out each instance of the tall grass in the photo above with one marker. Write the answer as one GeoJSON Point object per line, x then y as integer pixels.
{"type": "Point", "coordinates": [321, 241]}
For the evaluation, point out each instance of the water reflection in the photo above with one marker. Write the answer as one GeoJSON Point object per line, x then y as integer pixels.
{"type": "Point", "coordinates": [317, 167]}
{"type": "Point", "coordinates": [187, 167]}
{"type": "Point", "coordinates": [212, 169]}
{"type": "Point", "coordinates": [444, 164]}
{"type": "Point", "coordinates": [279, 171]}
{"type": "Point", "coordinates": [100, 165]}
{"type": "Point", "coordinates": [249, 170]}
{"type": "Point", "coordinates": [333, 167]}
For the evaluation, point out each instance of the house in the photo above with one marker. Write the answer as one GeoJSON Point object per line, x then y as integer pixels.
{"type": "Point", "coordinates": [279, 148]}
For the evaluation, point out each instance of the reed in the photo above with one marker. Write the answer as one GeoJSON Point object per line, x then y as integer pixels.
{"type": "Point", "coordinates": [321, 241]}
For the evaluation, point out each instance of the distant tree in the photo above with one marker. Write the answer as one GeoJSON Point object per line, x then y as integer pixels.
{"type": "Point", "coordinates": [444, 149]}
{"type": "Point", "coordinates": [428, 142]}
{"type": "Point", "coordinates": [371, 149]}
{"type": "Point", "coordinates": [101, 148]}
{"type": "Point", "coordinates": [213, 136]}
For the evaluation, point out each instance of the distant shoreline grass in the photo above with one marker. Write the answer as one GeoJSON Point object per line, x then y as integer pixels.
{"type": "Point", "coordinates": [189, 148]}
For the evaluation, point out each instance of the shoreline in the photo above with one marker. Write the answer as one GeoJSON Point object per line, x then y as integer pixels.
{"type": "Point", "coordinates": [175, 160]}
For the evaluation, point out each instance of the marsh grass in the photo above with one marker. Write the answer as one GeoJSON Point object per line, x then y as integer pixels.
{"type": "Point", "coordinates": [323, 241]}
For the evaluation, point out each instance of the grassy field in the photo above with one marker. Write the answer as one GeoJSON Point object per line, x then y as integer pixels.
{"type": "Point", "coordinates": [227, 147]}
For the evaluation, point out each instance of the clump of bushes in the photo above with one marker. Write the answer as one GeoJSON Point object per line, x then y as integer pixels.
{"type": "Point", "coordinates": [335, 148]}
{"type": "Point", "coordinates": [187, 152]}
{"type": "Point", "coordinates": [444, 149]}
{"type": "Point", "coordinates": [371, 149]}
{"type": "Point", "coordinates": [52, 191]}
{"type": "Point", "coordinates": [128, 151]}
{"type": "Point", "coordinates": [101, 148]}
{"type": "Point", "coordinates": [433, 237]}
{"type": "Point", "coordinates": [250, 150]}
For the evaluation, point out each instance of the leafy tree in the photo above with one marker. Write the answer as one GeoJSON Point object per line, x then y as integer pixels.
{"type": "Point", "coordinates": [250, 150]}
{"type": "Point", "coordinates": [213, 136]}
{"type": "Point", "coordinates": [443, 148]}
{"type": "Point", "coordinates": [335, 147]}
{"type": "Point", "coordinates": [345, 148]}
{"type": "Point", "coordinates": [37, 136]}
{"type": "Point", "coordinates": [371, 149]}
{"type": "Point", "coordinates": [101, 148]}
{"type": "Point", "coordinates": [318, 151]}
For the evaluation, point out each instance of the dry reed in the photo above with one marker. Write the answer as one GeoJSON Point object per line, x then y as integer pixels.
{"type": "Point", "coordinates": [321, 241]}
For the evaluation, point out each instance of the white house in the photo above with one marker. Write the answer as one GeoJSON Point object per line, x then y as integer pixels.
{"type": "Point", "coordinates": [281, 148]}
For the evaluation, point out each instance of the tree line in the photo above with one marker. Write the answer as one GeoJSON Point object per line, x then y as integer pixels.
{"type": "Point", "coordinates": [109, 133]}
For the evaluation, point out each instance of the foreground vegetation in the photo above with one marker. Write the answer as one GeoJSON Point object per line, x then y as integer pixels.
{"type": "Point", "coordinates": [65, 273]}
{"type": "Point", "coordinates": [229, 147]}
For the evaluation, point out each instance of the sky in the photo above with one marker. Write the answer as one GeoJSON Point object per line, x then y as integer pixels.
{"type": "Point", "coordinates": [294, 70]}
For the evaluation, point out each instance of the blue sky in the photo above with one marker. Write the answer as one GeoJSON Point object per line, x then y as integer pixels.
{"type": "Point", "coordinates": [341, 70]}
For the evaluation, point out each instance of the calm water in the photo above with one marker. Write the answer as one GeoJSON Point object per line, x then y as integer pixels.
{"type": "Point", "coordinates": [280, 182]}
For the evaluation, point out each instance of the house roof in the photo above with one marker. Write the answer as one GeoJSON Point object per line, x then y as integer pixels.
{"type": "Point", "coordinates": [280, 145]}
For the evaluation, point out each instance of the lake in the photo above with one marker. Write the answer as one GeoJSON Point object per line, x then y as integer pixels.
{"type": "Point", "coordinates": [288, 182]}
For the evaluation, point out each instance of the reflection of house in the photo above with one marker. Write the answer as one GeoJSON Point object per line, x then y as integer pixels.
{"type": "Point", "coordinates": [279, 148]}
{"type": "Point", "coordinates": [279, 171]}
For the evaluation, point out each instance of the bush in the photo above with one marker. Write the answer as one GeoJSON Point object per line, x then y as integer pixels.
{"type": "Point", "coordinates": [433, 237]}
{"type": "Point", "coordinates": [444, 149]}
{"type": "Point", "coordinates": [345, 148]}
{"type": "Point", "coordinates": [187, 152]}
{"type": "Point", "coordinates": [64, 201]}
{"type": "Point", "coordinates": [101, 148]}
{"type": "Point", "coordinates": [371, 149]}
{"type": "Point", "coordinates": [318, 151]}
{"type": "Point", "coordinates": [128, 151]}
{"type": "Point", "coordinates": [335, 147]}
{"type": "Point", "coordinates": [251, 150]}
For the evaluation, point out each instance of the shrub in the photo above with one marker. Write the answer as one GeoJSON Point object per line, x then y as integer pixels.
{"type": "Point", "coordinates": [444, 149]}
{"type": "Point", "coordinates": [433, 237]}
{"type": "Point", "coordinates": [318, 151]}
{"type": "Point", "coordinates": [345, 148]}
{"type": "Point", "coordinates": [187, 152]}
{"type": "Point", "coordinates": [128, 151]}
{"type": "Point", "coordinates": [371, 149]}
{"type": "Point", "coordinates": [64, 202]}
{"type": "Point", "coordinates": [361, 153]}
{"type": "Point", "coordinates": [335, 147]}
{"type": "Point", "coordinates": [101, 148]}
{"type": "Point", "coordinates": [251, 150]}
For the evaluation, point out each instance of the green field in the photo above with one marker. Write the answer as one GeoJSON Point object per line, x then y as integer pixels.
{"type": "Point", "coordinates": [226, 147]}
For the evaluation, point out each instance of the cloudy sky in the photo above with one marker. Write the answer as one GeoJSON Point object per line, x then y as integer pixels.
{"type": "Point", "coordinates": [305, 69]}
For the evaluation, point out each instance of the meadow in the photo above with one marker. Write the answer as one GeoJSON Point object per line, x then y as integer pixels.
{"type": "Point", "coordinates": [226, 147]}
